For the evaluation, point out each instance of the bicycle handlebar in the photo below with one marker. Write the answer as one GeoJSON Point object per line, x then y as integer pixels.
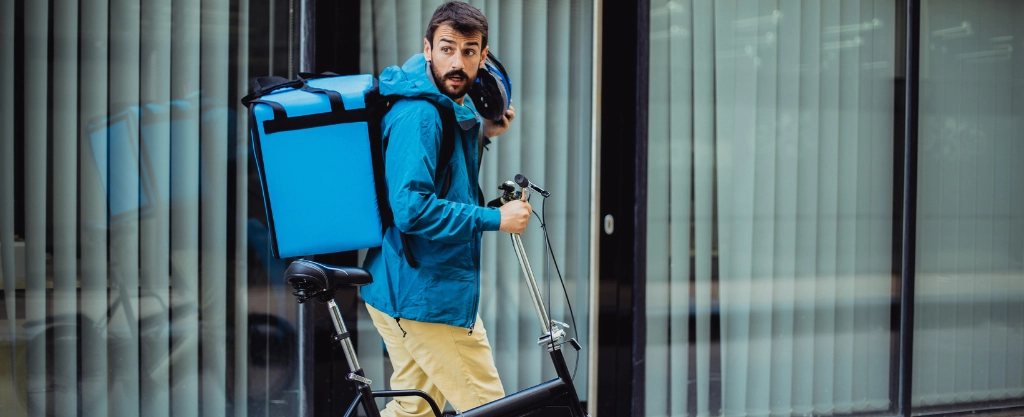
{"type": "Point", "coordinates": [525, 183]}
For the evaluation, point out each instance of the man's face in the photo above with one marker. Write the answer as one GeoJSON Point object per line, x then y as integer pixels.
{"type": "Point", "coordinates": [455, 59]}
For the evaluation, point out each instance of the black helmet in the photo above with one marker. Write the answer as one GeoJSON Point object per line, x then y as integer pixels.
{"type": "Point", "coordinates": [492, 91]}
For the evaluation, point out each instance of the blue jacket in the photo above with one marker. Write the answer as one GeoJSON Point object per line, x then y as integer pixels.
{"type": "Point", "coordinates": [444, 234]}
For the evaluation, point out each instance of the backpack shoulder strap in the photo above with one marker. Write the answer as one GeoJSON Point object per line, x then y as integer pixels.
{"type": "Point", "coordinates": [447, 146]}
{"type": "Point", "coordinates": [379, 106]}
{"type": "Point", "coordinates": [447, 116]}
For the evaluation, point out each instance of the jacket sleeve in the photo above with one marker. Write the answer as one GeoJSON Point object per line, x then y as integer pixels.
{"type": "Point", "coordinates": [414, 142]}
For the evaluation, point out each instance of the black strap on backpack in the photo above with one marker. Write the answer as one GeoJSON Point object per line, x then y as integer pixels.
{"type": "Point", "coordinates": [262, 86]}
{"type": "Point", "coordinates": [387, 216]}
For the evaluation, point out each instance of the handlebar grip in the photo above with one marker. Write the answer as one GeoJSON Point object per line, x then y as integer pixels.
{"type": "Point", "coordinates": [522, 181]}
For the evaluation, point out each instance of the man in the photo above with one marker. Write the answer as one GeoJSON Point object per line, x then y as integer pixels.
{"type": "Point", "coordinates": [428, 314]}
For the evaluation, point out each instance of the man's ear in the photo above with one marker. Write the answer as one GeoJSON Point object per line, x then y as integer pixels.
{"type": "Point", "coordinates": [483, 59]}
{"type": "Point", "coordinates": [426, 49]}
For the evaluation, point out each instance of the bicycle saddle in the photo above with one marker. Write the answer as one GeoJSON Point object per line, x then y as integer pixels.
{"type": "Point", "coordinates": [316, 280]}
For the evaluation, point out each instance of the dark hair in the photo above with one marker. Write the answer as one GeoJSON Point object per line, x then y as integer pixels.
{"type": "Point", "coordinates": [463, 17]}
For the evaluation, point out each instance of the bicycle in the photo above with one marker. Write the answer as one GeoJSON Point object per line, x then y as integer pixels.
{"type": "Point", "coordinates": [313, 280]}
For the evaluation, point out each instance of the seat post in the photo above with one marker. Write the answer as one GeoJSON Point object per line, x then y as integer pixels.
{"type": "Point", "coordinates": [342, 336]}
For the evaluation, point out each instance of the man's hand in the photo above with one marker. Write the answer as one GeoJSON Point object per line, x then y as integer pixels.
{"type": "Point", "coordinates": [492, 128]}
{"type": "Point", "coordinates": [514, 216]}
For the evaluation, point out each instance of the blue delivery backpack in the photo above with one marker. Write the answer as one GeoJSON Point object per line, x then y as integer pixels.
{"type": "Point", "coordinates": [319, 155]}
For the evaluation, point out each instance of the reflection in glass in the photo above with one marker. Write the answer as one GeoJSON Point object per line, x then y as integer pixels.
{"type": "Point", "coordinates": [126, 287]}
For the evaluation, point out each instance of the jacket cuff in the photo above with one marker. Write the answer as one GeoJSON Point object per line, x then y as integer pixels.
{"type": "Point", "coordinates": [491, 219]}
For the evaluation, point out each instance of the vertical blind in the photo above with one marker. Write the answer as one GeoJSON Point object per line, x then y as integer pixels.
{"type": "Point", "coordinates": [547, 49]}
{"type": "Point", "coordinates": [770, 207]}
{"type": "Point", "coordinates": [7, 106]}
{"type": "Point", "coordinates": [125, 155]}
{"type": "Point", "coordinates": [969, 317]}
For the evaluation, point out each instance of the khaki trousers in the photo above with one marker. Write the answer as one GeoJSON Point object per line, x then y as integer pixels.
{"type": "Point", "coordinates": [446, 362]}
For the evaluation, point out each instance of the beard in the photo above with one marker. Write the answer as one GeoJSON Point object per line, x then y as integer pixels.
{"type": "Point", "coordinates": [440, 80]}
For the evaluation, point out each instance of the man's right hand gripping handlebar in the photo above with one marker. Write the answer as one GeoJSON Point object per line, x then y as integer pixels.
{"type": "Point", "coordinates": [515, 215]}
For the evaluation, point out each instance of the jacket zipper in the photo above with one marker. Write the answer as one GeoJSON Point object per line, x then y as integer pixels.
{"type": "Point", "coordinates": [479, 161]}
{"type": "Point", "coordinates": [476, 300]}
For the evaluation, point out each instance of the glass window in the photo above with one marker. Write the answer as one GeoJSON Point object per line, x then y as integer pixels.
{"type": "Point", "coordinates": [134, 279]}
{"type": "Point", "coordinates": [135, 265]}
{"type": "Point", "coordinates": [770, 203]}
{"type": "Point", "coordinates": [969, 320]}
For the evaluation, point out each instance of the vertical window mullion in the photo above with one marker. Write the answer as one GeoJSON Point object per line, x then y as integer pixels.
{"type": "Point", "coordinates": [909, 207]}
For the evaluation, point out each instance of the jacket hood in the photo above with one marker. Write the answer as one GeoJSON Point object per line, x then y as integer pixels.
{"type": "Point", "coordinates": [412, 80]}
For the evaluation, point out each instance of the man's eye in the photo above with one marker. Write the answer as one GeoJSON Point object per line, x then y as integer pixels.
{"type": "Point", "coordinates": [470, 52]}
{"type": "Point", "coordinates": [446, 49]}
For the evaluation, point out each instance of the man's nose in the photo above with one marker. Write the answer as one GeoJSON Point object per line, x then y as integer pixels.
{"type": "Point", "coordinates": [457, 62]}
